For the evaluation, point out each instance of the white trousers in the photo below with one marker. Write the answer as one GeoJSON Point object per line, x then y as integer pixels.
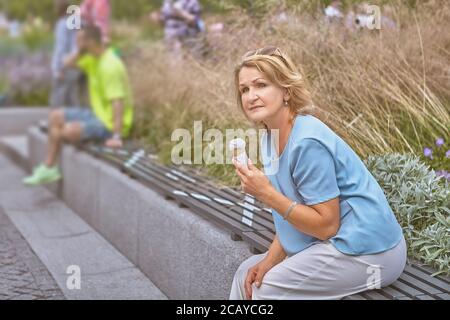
{"type": "Point", "coordinates": [322, 272]}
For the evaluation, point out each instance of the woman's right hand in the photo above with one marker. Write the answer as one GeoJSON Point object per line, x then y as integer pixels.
{"type": "Point", "coordinates": [255, 275]}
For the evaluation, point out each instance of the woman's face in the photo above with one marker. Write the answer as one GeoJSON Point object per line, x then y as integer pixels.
{"type": "Point", "coordinates": [261, 99]}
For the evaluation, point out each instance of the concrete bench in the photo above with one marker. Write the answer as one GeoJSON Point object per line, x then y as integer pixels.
{"type": "Point", "coordinates": [230, 211]}
{"type": "Point", "coordinates": [248, 220]}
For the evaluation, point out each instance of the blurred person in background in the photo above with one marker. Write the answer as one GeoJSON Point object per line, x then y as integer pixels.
{"type": "Point", "coordinates": [4, 23]}
{"type": "Point", "coordinates": [98, 13]}
{"type": "Point", "coordinates": [110, 115]}
{"type": "Point", "coordinates": [333, 12]}
{"type": "Point", "coordinates": [65, 88]}
{"type": "Point", "coordinates": [182, 23]}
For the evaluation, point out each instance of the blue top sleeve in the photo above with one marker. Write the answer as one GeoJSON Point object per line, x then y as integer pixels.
{"type": "Point", "coordinates": [314, 172]}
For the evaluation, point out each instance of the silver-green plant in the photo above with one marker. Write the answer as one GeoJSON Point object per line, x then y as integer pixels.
{"type": "Point", "coordinates": [420, 200]}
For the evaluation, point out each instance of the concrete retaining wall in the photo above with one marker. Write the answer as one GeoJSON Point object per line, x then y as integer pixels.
{"type": "Point", "coordinates": [183, 254]}
{"type": "Point", "coordinates": [16, 121]}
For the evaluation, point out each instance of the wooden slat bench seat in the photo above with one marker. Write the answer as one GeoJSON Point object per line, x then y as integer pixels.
{"type": "Point", "coordinates": [247, 219]}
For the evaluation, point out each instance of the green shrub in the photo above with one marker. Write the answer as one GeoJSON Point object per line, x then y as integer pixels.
{"type": "Point", "coordinates": [36, 35]}
{"type": "Point", "coordinates": [35, 98]}
{"type": "Point", "coordinates": [421, 201]}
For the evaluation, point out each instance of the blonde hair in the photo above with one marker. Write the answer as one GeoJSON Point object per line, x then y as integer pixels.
{"type": "Point", "coordinates": [280, 70]}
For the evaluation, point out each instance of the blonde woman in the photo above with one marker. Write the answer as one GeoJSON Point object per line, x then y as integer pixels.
{"type": "Point", "coordinates": [336, 234]}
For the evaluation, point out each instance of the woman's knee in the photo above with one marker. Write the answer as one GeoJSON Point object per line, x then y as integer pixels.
{"type": "Point", "coordinates": [268, 285]}
{"type": "Point", "coordinates": [242, 271]}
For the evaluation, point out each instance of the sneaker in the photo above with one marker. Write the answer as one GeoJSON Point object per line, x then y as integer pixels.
{"type": "Point", "coordinates": [43, 175]}
{"type": "Point", "coordinates": [38, 168]}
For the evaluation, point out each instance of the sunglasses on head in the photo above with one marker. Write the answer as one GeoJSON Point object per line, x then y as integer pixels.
{"type": "Point", "coordinates": [266, 51]}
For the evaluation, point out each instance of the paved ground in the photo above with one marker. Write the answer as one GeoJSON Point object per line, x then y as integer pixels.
{"type": "Point", "coordinates": [55, 240]}
{"type": "Point", "coordinates": [22, 274]}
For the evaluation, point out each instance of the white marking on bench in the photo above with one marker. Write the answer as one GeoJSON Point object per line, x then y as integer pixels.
{"type": "Point", "coordinates": [247, 217]}
{"type": "Point", "coordinates": [248, 214]}
{"type": "Point", "coordinates": [247, 222]}
{"type": "Point", "coordinates": [171, 176]}
{"type": "Point", "coordinates": [249, 206]}
{"type": "Point", "coordinates": [249, 198]}
{"type": "Point", "coordinates": [183, 176]}
{"type": "Point", "coordinates": [223, 201]}
{"type": "Point", "coordinates": [135, 158]}
{"type": "Point", "coordinates": [180, 193]}
{"type": "Point", "coordinates": [200, 197]}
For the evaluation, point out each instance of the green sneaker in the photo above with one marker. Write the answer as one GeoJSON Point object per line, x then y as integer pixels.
{"type": "Point", "coordinates": [43, 175]}
{"type": "Point", "coordinates": [38, 168]}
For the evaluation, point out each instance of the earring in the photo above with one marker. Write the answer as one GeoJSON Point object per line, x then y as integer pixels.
{"type": "Point", "coordinates": [286, 104]}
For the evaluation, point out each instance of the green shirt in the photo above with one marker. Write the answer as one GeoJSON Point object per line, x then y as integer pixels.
{"type": "Point", "coordinates": [108, 81]}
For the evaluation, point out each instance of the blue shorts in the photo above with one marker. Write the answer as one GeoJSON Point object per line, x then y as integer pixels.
{"type": "Point", "coordinates": [92, 127]}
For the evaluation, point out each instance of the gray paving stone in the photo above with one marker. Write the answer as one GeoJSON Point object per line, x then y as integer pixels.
{"type": "Point", "coordinates": [18, 276]}
{"type": "Point", "coordinates": [60, 239]}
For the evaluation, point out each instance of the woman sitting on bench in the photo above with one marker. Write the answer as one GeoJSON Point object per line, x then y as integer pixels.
{"type": "Point", "coordinates": [336, 234]}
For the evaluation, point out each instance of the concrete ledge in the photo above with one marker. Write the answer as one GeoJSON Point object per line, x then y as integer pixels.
{"type": "Point", "coordinates": [183, 254]}
{"type": "Point", "coordinates": [16, 148]}
{"type": "Point", "coordinates": [61, 239]}
{"type": "Point", "coordinates": [16, 120]}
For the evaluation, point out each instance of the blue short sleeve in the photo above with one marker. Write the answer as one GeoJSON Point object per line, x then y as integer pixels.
{"type": "Point", "coordinates": [314, 172]}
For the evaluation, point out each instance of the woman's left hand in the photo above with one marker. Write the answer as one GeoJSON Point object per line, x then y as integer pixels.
{"type": "Point", "coordinates": [253, 180]}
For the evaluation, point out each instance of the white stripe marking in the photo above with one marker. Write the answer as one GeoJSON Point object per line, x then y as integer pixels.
{"type": "Point", "coordinates": [183, 176]}
{"type": "Point", "coordinates": [171, 176]}
{"type": "Point", "coordinates": [248, 214]}
{"type": "Point", "coordinates": [223, 201]}
{"type": "Point", "coordinates": [247, 221]}
{"type": "Point", "coordinates": [249, 206]}
{"type": "Point", "coordinates": [180, 193]}
{"type": "Point", "coordinates": [200, 197]}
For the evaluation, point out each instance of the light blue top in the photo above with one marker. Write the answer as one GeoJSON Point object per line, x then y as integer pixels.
{"type": "Point", "coordinates": [315, 166]}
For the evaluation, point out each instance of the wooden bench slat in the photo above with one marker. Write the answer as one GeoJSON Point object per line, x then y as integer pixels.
{"type": "Point", "coordinates": [259, 242]}
{"type": "Point", "coordinates": [373, 295]}
{"type": "Point", "coordinates": [227, 192]}
{"type": "Point", "coordinates": [415, 283]}
{"type": "Point", "coordinates": [268, 234]}
{"type": "Point", "coordinates": [419, 284]}
{"type": "Point", "coordinates": [444, 287]}
{"type": "Point", "coordinates": [206, 211]}
{"type": "Point", "coordinates": [429, 270]}
{"type": "Point", "coordinates": [264, 214]}
{"type": "Point", "coordinates": [409, 291]}
{"type": "Point", "coordinates": [173, 186]}
{"type": "Point", "coordinates": [355, 297]}
{"type": "Point", "coordinates": [425, 297]}
{"type": "Point", "coordinates": [261, 223]}
{"type": "Point", "coordinates": [394, 294]}
{"type": "Point", "coordinates": [444, 296]}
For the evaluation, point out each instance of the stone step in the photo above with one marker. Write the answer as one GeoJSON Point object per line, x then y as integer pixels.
{"type": "Point", "coordinates": [66, 244]}
{"type": "Point", "coordinates": [16, 148]}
